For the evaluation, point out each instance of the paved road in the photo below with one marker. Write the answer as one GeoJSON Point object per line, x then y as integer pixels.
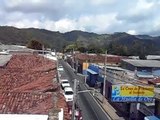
{"type": "Point", "coordinates": [90, 109]}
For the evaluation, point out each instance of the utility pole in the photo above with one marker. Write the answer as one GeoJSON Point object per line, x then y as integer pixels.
{"type": "Point", "coordinates": [76, 66]}
{"type": "Point", "coordinates": [73, 59]}
{"type": "Point", "coordinates": [74, 99]}
{"type": "Point", "coordinates": [43, 56]}
{"type": "Point", "coordinates": [85, 78]}
{"type": "Point", "coordinates": [104, 82]}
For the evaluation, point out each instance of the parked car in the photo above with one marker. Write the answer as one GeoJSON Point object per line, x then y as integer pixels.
{"type": "Point", "coordinates": [60, 68]}
{"type": "Point", "coordinates": [64, 83]}
{"type": "Point", "coordinates": [68, 94]}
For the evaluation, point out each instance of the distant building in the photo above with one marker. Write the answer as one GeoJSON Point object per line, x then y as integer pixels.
{"type": "Point", "coordinates": [142, 68]}
{"type": "Point", "coordinates": [82, 58]}
{"type": "Point", "coordinates": [153, 57]}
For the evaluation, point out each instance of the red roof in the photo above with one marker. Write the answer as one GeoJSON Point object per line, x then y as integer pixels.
{"type": "Point", "coordinates": [154, 81]}
{"type": "Point", "coordinates": [28, 103]}
{"type": "Point", "coordinates": [113, 59]}
{"type": "Point", "coordinates": [25, 86]}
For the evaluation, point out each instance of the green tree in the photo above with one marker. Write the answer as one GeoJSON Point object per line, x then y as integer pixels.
{"type": "Point", "coordinates": [34, 44]}
{"type": "Point", "coordinates": [142, 57]}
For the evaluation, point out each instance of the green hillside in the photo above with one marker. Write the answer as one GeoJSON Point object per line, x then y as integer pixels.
{"type": "Point", "coordinates": [117, 43]}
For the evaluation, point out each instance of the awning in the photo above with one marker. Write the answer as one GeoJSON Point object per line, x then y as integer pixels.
{"type": "Point", "coordinates": [144, 74]}
{"type": "Point", "coordinates": [92, 72]}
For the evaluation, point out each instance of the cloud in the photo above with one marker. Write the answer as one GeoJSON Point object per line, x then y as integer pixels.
{"type": "Point", "coordinates": [100, 16]}
{"type": "Point", "coordinates": [102, 2]}
{"type": "Point", "coordinates": [99, 23]}
{"type": "Point", "coordinates": [132, 32]}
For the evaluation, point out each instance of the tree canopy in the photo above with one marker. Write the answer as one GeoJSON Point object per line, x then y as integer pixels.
{"type": "Point", "coordinates": [34, 44]}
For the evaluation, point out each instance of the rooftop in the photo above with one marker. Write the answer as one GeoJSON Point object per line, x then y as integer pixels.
{"type": "Point", "coordinates": [13, 47]}
{"type": "Point", "coordinates": [27, 86]}
{"type": "Point", "coordinates": [98, 58]}
{"type": "Point", "coordinates": [25, 103]}
{"type": "Point", "coordinates": [146, 75]}
{"type": "Point", "coordinates": [24, 85]}
{"type": "Point", "coordinates": [143, 63]}
{"type": "Point", "coordinates": [4, 59]}
{"type": "Point", "coordinates": [153, 57]}
{"type": "Point", "coordinates": [23, 117]}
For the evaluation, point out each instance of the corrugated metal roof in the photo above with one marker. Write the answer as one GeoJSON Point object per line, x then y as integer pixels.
{"type": "Point", "coordinates": [4, 59]}
{"type": "Point", "coordinates": [143, 63]}
{"type": "Point", "coordinates": [153, 57]}
{"type": "Point", "coordinates": [13, 47]}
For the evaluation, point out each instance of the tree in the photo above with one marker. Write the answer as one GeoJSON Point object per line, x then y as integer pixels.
{"type": "Point", "coordinates": [70, 47]}
{"type": "Point", "coordinates": [82, 49]}
{"type": "Point", "coordinates": [142, 57]}
{"type": "Point", "coordinates": [34, 44]}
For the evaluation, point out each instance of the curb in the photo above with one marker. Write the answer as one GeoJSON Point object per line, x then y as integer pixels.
{"type": "Point", "coordinates": [98, 103]}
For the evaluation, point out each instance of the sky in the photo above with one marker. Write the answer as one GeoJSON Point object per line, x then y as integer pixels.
{"type": "Point", "coordinates": [98, 16]}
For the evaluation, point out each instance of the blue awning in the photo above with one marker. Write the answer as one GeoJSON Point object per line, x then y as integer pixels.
{"type": "Point", "coordinates": [92, 72]}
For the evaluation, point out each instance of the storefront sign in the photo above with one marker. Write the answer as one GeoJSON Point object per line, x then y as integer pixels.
{"type": "Point", "coordinates": [130, 93]}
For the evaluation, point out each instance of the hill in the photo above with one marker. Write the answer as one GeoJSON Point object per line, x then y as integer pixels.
{"type": "Point", "coordinates": [12, 35]}
{"type": "Point", "coordinates": [118, 43]}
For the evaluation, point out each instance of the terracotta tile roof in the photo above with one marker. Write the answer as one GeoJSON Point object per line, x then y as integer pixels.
{"type": "Point", "coordinates": [26, 84]}
{"type": "Point", "coordinates": [114, 59]}
{"type": "Point", "coordinates": [62, 104]}
{"type": "Point", "coordinates": [28, 103]}
{"type": "Point", "coordinates": [29, 62]}
{"type": "Point", "coordinates": [11, 81]}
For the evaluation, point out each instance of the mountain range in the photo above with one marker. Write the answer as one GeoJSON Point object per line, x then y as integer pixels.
{"type": "Point", "coordinates": [119, 43]}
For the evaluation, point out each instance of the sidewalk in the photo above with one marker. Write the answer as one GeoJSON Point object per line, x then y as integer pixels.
{"type": "Point", "coordinates": [106, 105]}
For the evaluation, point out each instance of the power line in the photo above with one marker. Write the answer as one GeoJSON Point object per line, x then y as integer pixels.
{"type": "Point", "coordinates": [132, 81]}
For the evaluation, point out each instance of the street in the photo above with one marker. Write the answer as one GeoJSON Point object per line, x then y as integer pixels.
{"type": "Point", "coordinates": [90, 109]}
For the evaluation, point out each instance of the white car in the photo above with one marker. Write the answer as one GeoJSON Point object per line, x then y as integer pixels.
{"type": "Point", "coordinates": [60, 68]}
{"type": "Point", "coordinates": [68, 94]}
{"type": "Point", "coordinates": [64, 83]}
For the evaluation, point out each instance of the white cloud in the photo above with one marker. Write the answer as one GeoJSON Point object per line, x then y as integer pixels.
{"type": "Point", "coordinates": [25, 24]}
{"type": "Point", "coordinates": [132, 32]}
{"type": "Point", "coordinates": [65, 25]}
{"type": "Point", "coordinates": [98, 23]}
{"type": "Point", "coordinates": [102, 2]}
{"type": "Point", "coordinates": [15, 3]}
{"type": "Point", "coordinates": [101, 16]}
{"type": "Point", "coordinates": [144, 5]}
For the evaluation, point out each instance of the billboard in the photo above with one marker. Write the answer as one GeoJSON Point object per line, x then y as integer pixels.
{"type": "Point", "coordinates": [131, 93]}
